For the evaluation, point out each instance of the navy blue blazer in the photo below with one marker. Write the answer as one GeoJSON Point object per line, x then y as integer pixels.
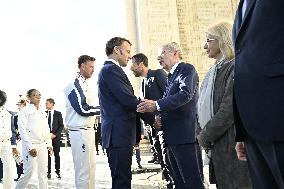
{"type": "Point", "coordinates": [259, 70]}
{"type": "Point", "coordinates": [118, 107]}
{"type": "Point", "coordinates": [178, 106]}
{"type": "Point", "coordinates": [156, 84]}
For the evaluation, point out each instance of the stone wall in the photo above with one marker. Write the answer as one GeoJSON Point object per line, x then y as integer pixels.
{"type": "Point", "coordinates": [151, 23]}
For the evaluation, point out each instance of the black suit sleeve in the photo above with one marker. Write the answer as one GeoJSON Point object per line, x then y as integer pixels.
{"type": "Point", "coordinates": [60, 124]}
{"type": "Point", "coordinates": [161, 78]}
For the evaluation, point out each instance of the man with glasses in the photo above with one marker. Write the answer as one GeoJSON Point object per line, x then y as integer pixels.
{"type": "Point", "coordinates": [177, 116]}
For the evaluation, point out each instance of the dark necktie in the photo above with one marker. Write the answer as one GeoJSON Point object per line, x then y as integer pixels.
{"type": "Point", "coordinates": [143, 87]}
{"type": "Point", "coordinates": [49, 119]}
{"type": "Point", "coordinates": [169, 77]}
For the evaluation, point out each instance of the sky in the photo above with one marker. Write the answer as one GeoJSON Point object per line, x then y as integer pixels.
{"type": "Point", "coordinates": [40, 42]}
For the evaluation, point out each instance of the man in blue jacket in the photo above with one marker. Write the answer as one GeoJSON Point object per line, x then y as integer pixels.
{"type": "Point", "coordinates": [258, 90]}
{"type": "Point", "coordinates": [178, 118]}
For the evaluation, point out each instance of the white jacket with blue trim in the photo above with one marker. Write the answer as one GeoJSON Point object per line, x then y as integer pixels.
{"type": "Point", "coordinates": [80, 110]}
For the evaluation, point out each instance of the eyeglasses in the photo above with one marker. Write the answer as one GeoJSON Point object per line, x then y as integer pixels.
{"type": "Point", "coordinates": [208, 40]}
{"type": "Point", "coordinates": [37, 95]}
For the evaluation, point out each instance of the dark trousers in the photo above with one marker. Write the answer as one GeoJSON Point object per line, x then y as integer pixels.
{"type": "Point", "coordinates": [19, 169]}
{"type": "Point", "coordinates": [56, 153]}
{"type": "Point", "coordinates": [120, 160]}
{"type": "Point", "coordinates": [1, 170]}
{"type": "Point", "coordinates": [137, 153]}
{"type": "Point", "coordinates": [166, 170]}
{"type": "Point", "coordinates": [184, 166]}
{"type": "Point", "coordinates": [266, 164]}
{"type": "Point", "coordinates": [157, 146]}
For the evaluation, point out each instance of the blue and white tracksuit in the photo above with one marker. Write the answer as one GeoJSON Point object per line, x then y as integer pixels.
{"type": "Point", "coordinates": [80, 119]}
{"type": "Point", "coordinates": [34, 132]}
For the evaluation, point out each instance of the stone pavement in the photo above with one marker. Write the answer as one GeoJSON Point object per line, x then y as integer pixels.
{"type": "Point", "coordinates": [148, 178]}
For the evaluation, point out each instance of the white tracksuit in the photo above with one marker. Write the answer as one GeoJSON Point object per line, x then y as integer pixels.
{"type": "Point", "coordinates": [34, 132]}
{"type": "Point", "coordinates": [80, 122]}
{"type": "Point", "coordinates": [6, 148]}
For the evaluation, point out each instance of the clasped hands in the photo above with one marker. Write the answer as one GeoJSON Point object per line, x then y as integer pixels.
{"type": "Point", "coordinates": [150, 106]}
{"type": "Point", "coordinates": [146, 106]}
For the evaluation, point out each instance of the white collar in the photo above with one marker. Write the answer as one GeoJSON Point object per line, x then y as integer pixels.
{"type": "Point", "coordinates": [82, 78]}
{"type": "Point", "coordinates": [112, 60]}
{"type": "Point", "coordinates": [174, 67]}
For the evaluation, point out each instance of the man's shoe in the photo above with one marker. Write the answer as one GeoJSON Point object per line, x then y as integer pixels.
{"type": "Point", "coordinates": [152, 160]}
{"type": "Point", "coordinates": [139, 166]}
{"type": "Point", "coordinates": [16, 179]}
{"type": "Point", "coordinates": [58, 175]}
{"type": "Point", "coordinates": [48, 176]}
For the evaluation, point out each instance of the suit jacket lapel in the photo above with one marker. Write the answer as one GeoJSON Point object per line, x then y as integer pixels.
{"type": "Point", "coordinates": [250, 4]}
{"type": "Point", "coordinates": [123, 73]}
{"type": "Point", "coordinates": [238, 19]}
{"type": "Point", "coordinates": [175, 72]}
{"type": "Point", "coordinates": [172, 79]}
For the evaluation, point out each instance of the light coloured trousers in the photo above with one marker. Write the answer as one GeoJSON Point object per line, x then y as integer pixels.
{"type": "Point", "coordinates": [30, 164]}
{"type": "Point", "coordinates": [83, 152]}
{"type": "Point", "coordinates": [7, 160]}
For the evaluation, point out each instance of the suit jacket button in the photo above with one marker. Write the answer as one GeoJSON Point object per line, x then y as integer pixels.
{"type": "Point", "coordinates": [238, 51]}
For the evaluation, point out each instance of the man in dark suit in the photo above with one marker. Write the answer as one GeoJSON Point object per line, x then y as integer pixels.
{"type": "Point", "coordinates": [152, 87]}
{"type": "Point", "coordinates": [118, 111]}
{"type": "Point", "coordinates": [258, 90]}
{"type": "Point", "coordinates": [178, 117]}
{"type": "Point", "coordinates": [55, 122]}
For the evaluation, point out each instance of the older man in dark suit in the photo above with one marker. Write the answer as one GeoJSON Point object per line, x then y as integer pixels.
{"type": "Point", "coordinates": [178, 117]}
{"type": "Point", "coordinates": [258, 90]}
{"type": "Point", "coordinates": [55, 122]}
{"type": "Point", "coordinates": [153, 86]}
{"type": "Point", "coordinates": [118, 112]}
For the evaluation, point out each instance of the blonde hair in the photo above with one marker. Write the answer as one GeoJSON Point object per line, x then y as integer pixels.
{"type": "Point", "coordinates": [222, 31]}
{"type": "Point", "coordinates": [173, 47]}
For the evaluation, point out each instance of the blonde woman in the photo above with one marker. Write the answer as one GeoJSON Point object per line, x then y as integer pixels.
{"type": "Point", "coordinates": [215, 112]}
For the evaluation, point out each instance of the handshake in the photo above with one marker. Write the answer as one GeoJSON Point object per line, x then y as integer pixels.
{"type": "Point", "coordinates": [146, 106]}
{"type": "Point", "coordinates": [150, 106]}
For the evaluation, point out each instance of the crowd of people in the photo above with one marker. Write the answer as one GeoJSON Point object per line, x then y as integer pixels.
{"type": "Point", "coordinates": [235, 116]}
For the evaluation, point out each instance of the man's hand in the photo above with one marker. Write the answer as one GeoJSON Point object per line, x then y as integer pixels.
{"type": "Point", "coordinates": [157, 122]}
{"type": "Point", "coordinates": [50, 151]}
{"type": "Point", "coordinates": [33, 152]}
{"type": "Point", "coordinates": [204, 144]}
{"type": "Point", "coordinates": [241, 151]}
{"type": "Point", "coordinates": [146, 106]}
{"type": "Point", "coordinates": [53, 136]}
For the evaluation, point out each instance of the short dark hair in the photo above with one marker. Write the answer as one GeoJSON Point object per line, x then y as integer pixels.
{"type": "Point", "coordinates": [140, 57]}
{"type": "Point", "coordinates": [3, 98]}
{"type": "Point", "coordinates": [116, 41]}
{"type": "Point", "coordinates": [51, 100]}
{"type": "Point", "coordinates": [29, 93]}
{"type": "Point", "coordinates": [84, 58]}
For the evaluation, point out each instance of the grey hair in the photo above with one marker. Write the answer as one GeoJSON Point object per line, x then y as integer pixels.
{"type": "Point", "coordinates": [173, 47]}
